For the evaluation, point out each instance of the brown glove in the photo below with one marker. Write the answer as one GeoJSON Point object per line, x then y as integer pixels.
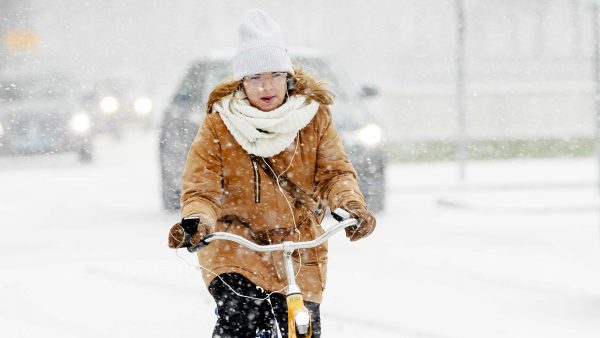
{"type": "Point", "coordinates": [177, 235]}
{"type": "Point", "coordinates": [200, 234]}
{"type": "Point", "coordinates": [366, 220]}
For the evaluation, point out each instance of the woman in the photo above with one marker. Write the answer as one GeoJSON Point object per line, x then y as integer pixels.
{"type": "Point", "coordinates": [279, 115]}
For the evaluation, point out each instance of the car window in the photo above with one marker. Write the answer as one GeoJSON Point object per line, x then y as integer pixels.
{"type": "Point", "coordinates": [13, 91]}
{"type": "Point", "coordinates": [216, 72]}
{"type": "Point", "coordinates": [347, 108]}
{"type": "Point", "coordinates": [190, 88]}
{"type": "Point", "coordinates": [322, 71]}
{"type": "Point", "coordinates": [34, 89]}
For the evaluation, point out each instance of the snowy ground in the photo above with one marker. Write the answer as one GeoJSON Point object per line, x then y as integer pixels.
{"type": "Point", "coordinates": [514, 251]}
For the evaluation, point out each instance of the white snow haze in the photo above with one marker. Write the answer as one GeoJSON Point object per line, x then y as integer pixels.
{"type": "Point", "coordinates": [488, 115]}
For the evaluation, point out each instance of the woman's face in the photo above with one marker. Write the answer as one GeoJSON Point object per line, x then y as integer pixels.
{"type": "Point", "coordinates": [265, 91]}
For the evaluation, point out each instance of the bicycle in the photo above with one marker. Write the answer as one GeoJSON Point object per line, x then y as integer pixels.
{"type": "Point", "coordinates": [299, 321]}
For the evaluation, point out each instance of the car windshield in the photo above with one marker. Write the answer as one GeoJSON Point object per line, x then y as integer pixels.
{"type": "Point", "coordinates": [215, 73]}
{"type": "Point", "coordinates": [347, 108]}
{"type": "Point", "coordinates": [323, 71]}
{"type": "Point", "coordinates": [33, 89]}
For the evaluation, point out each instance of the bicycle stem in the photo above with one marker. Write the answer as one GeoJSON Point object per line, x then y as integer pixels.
{"type": "Point", "coordinates": [288, 250]}
{"type": "Point", "coordinates": [299, 321]}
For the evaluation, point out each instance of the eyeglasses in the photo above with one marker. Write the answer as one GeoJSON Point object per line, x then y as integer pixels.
{"type": "Point", "coordinates": [257, 80]}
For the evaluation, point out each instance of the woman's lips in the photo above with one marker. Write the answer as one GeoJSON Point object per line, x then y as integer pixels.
{"type": "Point", "coordinates": [267, 99]}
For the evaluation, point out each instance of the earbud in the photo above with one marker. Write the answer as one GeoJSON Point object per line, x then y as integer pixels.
{"type": "Point", "coordinates": [291, 83]}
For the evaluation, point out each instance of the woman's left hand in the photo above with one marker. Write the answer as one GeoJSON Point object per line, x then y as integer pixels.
{"type": "Point", "coordinates": [366, 220]}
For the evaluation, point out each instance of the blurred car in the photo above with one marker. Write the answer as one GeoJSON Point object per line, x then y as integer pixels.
{"type": "Point", "coordinates": [40, 113]}
{"type": "Point", "coordinates": [116, 103]}
{"type": "Point", "coordinates": [361, 135]}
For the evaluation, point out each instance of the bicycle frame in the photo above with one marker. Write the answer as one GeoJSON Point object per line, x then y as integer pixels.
{"type": "Point", "coordinates": [299, 321]}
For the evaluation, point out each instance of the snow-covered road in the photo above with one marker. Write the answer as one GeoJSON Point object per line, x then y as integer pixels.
{"type": "Point", "coordinates": [512, 252]}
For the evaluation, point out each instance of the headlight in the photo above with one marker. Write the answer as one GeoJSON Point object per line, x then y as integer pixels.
{"type": "Point", "coordinates": [109, 105]}
{"type": "Point", "coordinates": [370, 135]}
{"type": "Point", "coordinates": [1, 130]}
{"type": "Point", "coordinates": [80, 122]}
{"type": "Point", "coordinates": [142, 105]}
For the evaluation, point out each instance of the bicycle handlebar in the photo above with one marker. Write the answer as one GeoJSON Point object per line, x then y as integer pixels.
{"type": "Point", "coordinates": [275, 247]}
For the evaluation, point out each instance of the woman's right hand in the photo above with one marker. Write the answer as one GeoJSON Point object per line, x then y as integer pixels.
{"type": "Point", "coordinates": [199, 235]}
{"type": "Point", "coordinates": [196, 233]}
{"type": "Point", "coordinates": [176, 236]}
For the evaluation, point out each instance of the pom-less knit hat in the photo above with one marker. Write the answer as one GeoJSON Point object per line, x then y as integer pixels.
{"type": "Point", "coordinates": [261, 47]}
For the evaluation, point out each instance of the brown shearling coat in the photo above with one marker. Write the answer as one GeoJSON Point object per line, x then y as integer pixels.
{"type": "Point", "coordinates": [221, 183]}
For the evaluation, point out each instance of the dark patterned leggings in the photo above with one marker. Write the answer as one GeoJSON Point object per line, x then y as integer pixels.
{"type": "Point", "coordinates": [240, 317]}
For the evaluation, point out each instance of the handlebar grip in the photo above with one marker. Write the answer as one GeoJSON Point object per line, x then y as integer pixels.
{"type": "Point", "coordinates": [340, 214]}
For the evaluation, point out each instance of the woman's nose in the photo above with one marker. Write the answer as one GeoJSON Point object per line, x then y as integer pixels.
{"type": "Point", "coordinates": [267, 83]}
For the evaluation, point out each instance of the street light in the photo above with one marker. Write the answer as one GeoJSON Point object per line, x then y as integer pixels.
{"type": "Point", "coordinates": [596, 73]}
{"type": "Point", "coordinates": [461, 147]}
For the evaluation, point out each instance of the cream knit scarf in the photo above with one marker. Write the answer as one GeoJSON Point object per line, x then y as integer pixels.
{"type": "Point", "coordinates": [265, 133]}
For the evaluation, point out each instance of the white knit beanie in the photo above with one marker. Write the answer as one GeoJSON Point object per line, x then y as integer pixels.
{"type": "Point", "coordinates": [261, 47]}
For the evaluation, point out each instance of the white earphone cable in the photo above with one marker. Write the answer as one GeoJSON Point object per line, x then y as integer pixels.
{"type": "Point", "coordinates": [200, 267]}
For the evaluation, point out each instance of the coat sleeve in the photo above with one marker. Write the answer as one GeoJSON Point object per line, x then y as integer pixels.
{"type": "Point", "coordinates": [202, 175]}
{"type": "Point", "coordinates": [335, 176]}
